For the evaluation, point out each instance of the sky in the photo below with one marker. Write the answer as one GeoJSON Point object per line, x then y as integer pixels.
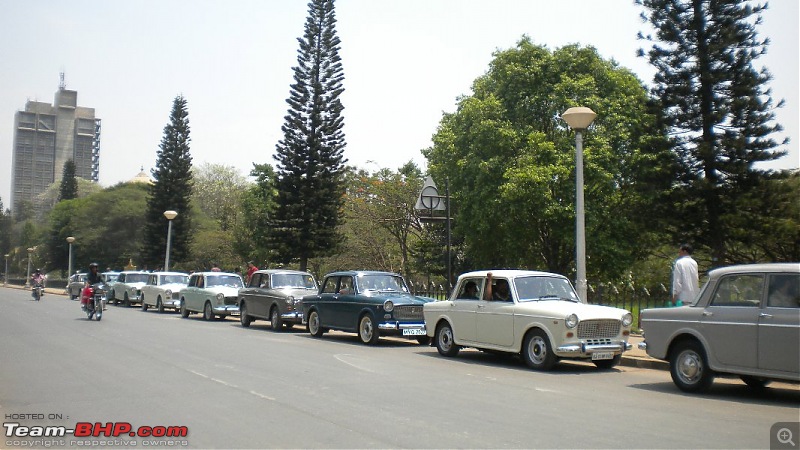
{"type": "Point", "coordinates": [406, 62]}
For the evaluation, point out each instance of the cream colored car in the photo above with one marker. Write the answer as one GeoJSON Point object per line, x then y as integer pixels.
{"type": "Point", "coordinates": [541, 318]}
{"type": "Point", "coordinates": [163, 290]}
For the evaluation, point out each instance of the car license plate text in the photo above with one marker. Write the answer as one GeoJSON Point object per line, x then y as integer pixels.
{"type": "Point", "coordinates": [602, 355]}
{"type": "Point", "coordinates": [413, 332]}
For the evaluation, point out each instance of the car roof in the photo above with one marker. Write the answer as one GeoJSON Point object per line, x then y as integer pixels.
{"type": "Point", "coordinates": [272, 271]}
{"type": "Point", "coordinates": [746, 268]}
{"type": "Point", "coordinates": [134, 271]}
{"type": "Point", "coordinates": [169, 273]}
{"type": "Point", "coordinates": [217, 273]}
{"type": "Point", "coordinates": [358, 273]}
{"type": "Point", "coordinates": [509, 273]}
{"type": "Point", "coordinates": [109, 272]}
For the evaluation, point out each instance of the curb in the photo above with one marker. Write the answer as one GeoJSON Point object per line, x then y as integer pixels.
{"type": "Point", "coordinates": [644, 363]}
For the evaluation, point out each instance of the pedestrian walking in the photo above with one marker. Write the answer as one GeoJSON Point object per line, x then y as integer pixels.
{"type": "Point", "coordinates": [685, 279]}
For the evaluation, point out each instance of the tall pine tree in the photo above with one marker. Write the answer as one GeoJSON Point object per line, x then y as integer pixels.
{"type": "Point", "coordinates": [69, 185]}
{"type": "Point", "coordinates": [171, 190]}
{"type": "Point", "coordinates": [717, 107]}
{"type": "Point", "coordinates": [310, 165]}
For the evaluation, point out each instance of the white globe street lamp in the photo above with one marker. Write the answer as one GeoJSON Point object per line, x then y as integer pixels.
{"type": "Point", "coordinates": [69, 265]}
{"type": "Point", "coordinates": [169, 215]}
{"type": "Point", "coordinates": [5, 274]}
{"type": "Point", "coordinates": [579, 118]}
{"type": "Point", "coordinates": [28, 279]}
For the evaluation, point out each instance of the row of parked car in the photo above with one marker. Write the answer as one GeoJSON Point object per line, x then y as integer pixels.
{"type": "Point", "coordinates": [745, 321]}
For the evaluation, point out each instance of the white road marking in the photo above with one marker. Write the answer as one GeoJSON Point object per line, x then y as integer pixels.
{"type": "Point", "coordinates": [266, 397]}
{"type": "Point", "coordinates": [341, 357]}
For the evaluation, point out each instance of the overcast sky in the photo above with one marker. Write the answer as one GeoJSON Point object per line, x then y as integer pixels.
{"type": "Point", "coordinates": [405, 63]}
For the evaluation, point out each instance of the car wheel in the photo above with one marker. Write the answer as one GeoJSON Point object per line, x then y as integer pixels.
{"type": "Point", "coordinates": [111, 295]}
{"type": "Point", "coordinates": [423, 340]}
{"type": "Point", "coordinates": [144, 304]}
{"type": "Point", "coordinates": [208, 313]}
{"type": "Point", "coordinates": [688, 366]}
{"type": "Point", "coordinates": [536, 351]}
{"type": "Point", "coordinates": [275, 320]}
{"type": "Point", "coordinates": [606, 364]}
{"type": "Point", "coordinates": [184, 311]}
{"type": "Point", "coordinates": [159, 305]}
{"type": "Point", "coordinates": [127, 301]}
{"type": "Point", "coordinates": [445, 341]}
{"type": "Point", "coordinates": [367, 331]}
{"type": "Point", "coordinates": [314, 324]}
{"type": "Point", "coordinates": [243, 317]}
{"type": "Point", "coordinates": [755, 382]}
{"type": "Point", "coordinates": [72, 297]}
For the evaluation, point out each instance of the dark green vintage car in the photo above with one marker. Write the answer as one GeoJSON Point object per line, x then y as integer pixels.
{"type": "Point", "coordinates": [368, 303]}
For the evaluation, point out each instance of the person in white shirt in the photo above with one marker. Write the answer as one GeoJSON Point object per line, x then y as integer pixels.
{"type": "Point", "coordinates": [685, 279]}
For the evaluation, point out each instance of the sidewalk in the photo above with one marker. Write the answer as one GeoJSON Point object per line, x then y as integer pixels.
{"type": "Point", "coordinates": [639, 358]}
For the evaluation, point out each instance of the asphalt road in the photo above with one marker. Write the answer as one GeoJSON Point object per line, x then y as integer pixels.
{"type": "Point", "coordinates": [254, 388]}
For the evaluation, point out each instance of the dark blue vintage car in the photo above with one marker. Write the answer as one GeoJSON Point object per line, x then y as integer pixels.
{"type": "Point", "coordinates": [368, 303]}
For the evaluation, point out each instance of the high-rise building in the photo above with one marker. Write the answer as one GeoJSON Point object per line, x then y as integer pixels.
{"type": "Point", "coordinates": [47, 136]}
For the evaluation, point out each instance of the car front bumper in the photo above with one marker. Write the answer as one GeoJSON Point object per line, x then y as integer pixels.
{"type": "Point", "coordinates": [403, 328]}
{"type": "Point", "coordinates": [223, 310]}
{"type": "Point", "coordinates": [292, 316]}
{"type": "Point", "coordinates": [584, 350]}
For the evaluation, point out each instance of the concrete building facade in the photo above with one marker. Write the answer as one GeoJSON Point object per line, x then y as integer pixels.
{"type": "Point", "coordinates": [47, 136]}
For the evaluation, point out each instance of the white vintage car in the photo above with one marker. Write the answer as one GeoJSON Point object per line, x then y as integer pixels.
{"type": "Point", "coordinates": [535, 314]}
{"type": "Point", "coordinates": [163, 290]}
{"type": "Point", "coordinates": [128, 287]}
{"type": "Point", "coordinates": [215, 294]}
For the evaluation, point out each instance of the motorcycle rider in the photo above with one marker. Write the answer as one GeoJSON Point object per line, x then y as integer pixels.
{"type": "Point", "coordinates": [37, 279]}
{"type": "Point", "coordinates": [92, 278]}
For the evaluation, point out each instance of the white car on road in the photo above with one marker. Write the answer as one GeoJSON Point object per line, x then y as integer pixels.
{"type": "Point", "coordinates": [163, 290]}
{"type": "Point", "coordinates": [215, 294]}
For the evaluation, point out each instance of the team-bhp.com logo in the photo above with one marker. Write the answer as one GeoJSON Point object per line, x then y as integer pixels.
{"type": "Point", "coordinates": [97, 429]}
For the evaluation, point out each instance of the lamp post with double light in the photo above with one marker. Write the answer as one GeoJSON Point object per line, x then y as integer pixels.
{"type": "Point", "coordinates": [169, 215]}
{"type": "Point", "coordinates": [70, 240]}
{"type": "Point", "coordinates": [579, 119]}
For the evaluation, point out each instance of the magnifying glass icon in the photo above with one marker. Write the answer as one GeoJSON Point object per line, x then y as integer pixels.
{"type": "Point", "coordinates": [784, 436]}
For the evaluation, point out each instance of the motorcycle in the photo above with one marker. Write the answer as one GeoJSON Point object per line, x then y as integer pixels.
{"type": "Point", "coordinates": [93, 299]}
{"type": "Point", "coordinates": [37, 291]}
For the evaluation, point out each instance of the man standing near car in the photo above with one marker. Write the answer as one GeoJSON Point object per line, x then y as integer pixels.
{"type": "Point", "coordinates": [685, 280]}
{"type": "Point", "coordinates": [251, 269]}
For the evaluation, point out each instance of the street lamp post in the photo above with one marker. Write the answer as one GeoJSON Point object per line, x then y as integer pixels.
{"type": "Point", "coordinates": [28, 279]}
{"type": "Point", "coordinates": [5, 274]}
{"type": "Point", "coordinates": [579, 118]}
{"type": "Point", "coordinates": [70, 240]}
{"type": "Point", "coordinates": [169, 215]}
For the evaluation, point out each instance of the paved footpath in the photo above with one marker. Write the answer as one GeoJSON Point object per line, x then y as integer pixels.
{"type": "Point", "coordinates": [632, 358]}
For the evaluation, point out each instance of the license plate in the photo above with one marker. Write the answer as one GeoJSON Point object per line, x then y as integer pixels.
{"type": "Point", "coordinates": [413, 332]}
{"type": "Point", "coordinates": [602, 355]}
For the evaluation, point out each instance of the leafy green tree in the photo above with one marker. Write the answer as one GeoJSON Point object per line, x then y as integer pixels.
{"type": "Point", "coordinates": [171, 190]}
{"type": "Point", "coordinates": [310, 162]}
{"type": "Point", "coordinates": [717, 108]}
{"type": "Point", "coordinates": [6, 226]}
{"type": "Point", "coordinates": [258, 206]}
{"type": "Point", "coordinates": [69, 185]}
{"type": "Point", "coordinates": [218, 191]}
{"type": "Point", "coordinates": [510, 161]}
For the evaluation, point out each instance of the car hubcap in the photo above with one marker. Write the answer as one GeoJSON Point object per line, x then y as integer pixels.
{"type": "Point", "coordinates": [537, 350]}
{"type": "Point", "coordinates": [446, 338]}
{"type": "Point", "coordinates": [313, 323]}
{"type": "Point", "coordinates": [366, 329]}
{"type": "Point", "coordinates": [690, 369]}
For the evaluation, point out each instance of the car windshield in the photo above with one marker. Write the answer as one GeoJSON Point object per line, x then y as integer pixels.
{"type": "Point", "coordinates": [382, 283]}
{"type": "Point", "coordinates": [545, 288]}
{"type": "Point", "coordinates": [293, 280]}
{"type": "Point", "coordinates": [136, 278]}
{"type": "Point", "coordinates": [224, 280]}
{"type": "Point", "coordinates": [111, 277]}
{"type": "Point", "coordinates": [174, 279]}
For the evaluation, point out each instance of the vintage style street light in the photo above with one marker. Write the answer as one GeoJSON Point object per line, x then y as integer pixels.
{"type": "Point", "coordinates": [169, 215]}
{"type": "Point", "coordinates": [5, 274]}
{"type": "Point", "coordinates": [579, 119]}
{"type": "Point", "coordinates": [28, 279]}
{"type": "Point", "coordinates": [69, 264]}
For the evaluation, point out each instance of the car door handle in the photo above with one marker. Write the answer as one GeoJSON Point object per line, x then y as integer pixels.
{"type": "Point", "coordinates": [765, 316]}
{"type": "Point", "coordinates": [707, 314]}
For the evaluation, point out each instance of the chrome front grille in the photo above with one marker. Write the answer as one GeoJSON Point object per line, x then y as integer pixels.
{"type": "Point", "coordinates": [598, 329]}
{"type": "Point", "coordinates": [409, 312]}
{"type": "Point", "coordinates": [231, 300]}
{"type": "Point", "coordinates": [176, 295]}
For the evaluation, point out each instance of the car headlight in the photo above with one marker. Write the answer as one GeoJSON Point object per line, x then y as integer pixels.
{"type": "Point", "coordinates": [290, 300]}
{"type": "Point", "coordinates": [627, 320]}
{"type": "Point", "coordinates": [168, 293]}
{"type": "Point", "coordinates": [388, 306]}
{"type": "Point", "coordinates": [571, 321]}
{"type": "Point", "coordinates": [220, 298]}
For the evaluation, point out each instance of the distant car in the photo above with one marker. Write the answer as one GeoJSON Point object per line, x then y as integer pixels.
{"type": "Point", "coordinates": [542, 319]}
{"type": "Point", "coordinates": [163, 290]}
{"type": "Point", "coordinates": [214, 294]}
{"type": "Point", "coordinates": [275, 295]}
{"type": "Point", "coordinates": [110, 279]}
{"type": "Point", "coordinates": [368, 303]}
{"type": "Point", "coordinates": [75, 285]}
{"type": "Point", "coordinates": [128, 287]}
{"type": "Point", "coordinates": [745, 321]}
